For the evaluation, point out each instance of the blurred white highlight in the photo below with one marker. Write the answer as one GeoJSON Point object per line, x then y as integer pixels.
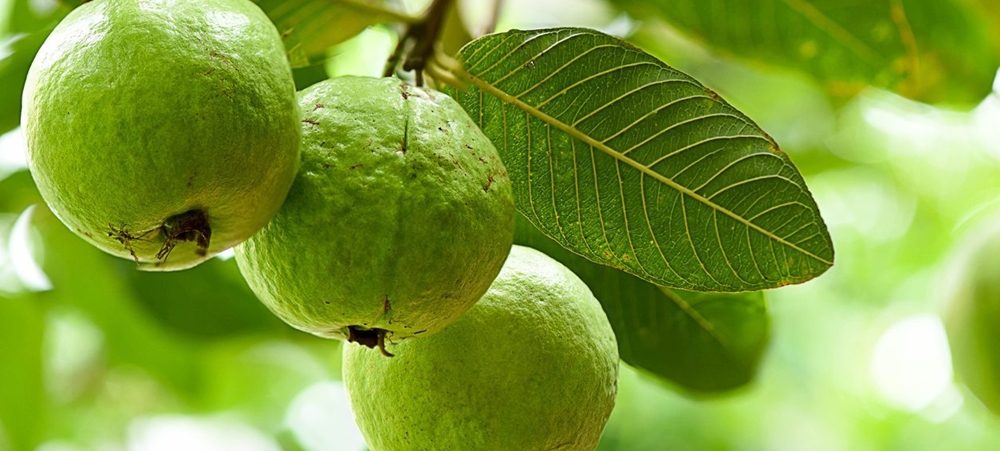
{"type": "Point", "coordinates": [175, 432]}
{"type": "Point", "coordinates": [911, 363]}
{"type": "Point", "coordinates": [19, 248]}
{"type": "Point", "coordinates": [226, 254]}
{"type": "Point", "coordinates": [13, 153]}
{"type": "Point", "coordinates": [320, 418]}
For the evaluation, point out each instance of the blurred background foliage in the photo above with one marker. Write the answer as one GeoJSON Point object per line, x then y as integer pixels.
{"type": "Point", "coordinates": [889, 108]}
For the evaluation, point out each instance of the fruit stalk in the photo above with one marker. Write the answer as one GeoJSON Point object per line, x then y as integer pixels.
{"type": "Point", "coordinates": [417, 43]}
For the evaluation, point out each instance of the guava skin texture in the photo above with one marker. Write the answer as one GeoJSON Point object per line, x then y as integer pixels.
{"type": "Point", "coordinates": [400, 217]}
{"type": "Point", "coordinates": [163, 131]}
{"type": "Point", "coordinates": [532, 366]}
{"type": "Point", "coordinates": [972, 319]}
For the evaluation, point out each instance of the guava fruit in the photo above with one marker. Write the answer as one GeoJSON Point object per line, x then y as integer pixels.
{"type": "Point", "coordinates": [972, 318]}
{"type": "Point", "coordinates": [399, 219]}
{"type": "Point", "coordinates": [163, 131]}
{"type": "Point", "coordinates": [532, 366]}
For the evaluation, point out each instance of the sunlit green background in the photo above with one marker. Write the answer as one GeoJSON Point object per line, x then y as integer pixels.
{"type": "Point", "coordinates": [95, 355]}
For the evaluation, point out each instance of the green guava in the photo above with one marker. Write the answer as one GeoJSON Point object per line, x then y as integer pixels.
{"type": "Point", "coordinates": [162, 131]}
{"type": "Point", "coordinates": [972, 319]}
{"type": "Point", "coordinates": [532, 366]}
{"type": "Point", "coordinates": [400, 217]}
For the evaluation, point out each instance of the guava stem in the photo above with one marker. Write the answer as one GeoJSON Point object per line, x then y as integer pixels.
{"type": "Point", "coordinates": [419, 38]}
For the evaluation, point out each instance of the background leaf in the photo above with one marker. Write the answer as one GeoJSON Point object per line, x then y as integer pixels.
{"type": "Point", "coordinates": [310, 27]}
{"type": "Point", "coordinates": [27, 16]}
{"type": "Point", "coordinates": [22, 395]}
{"type": "Point", "coordinates": [210, 301]}
{"type": "Point", "coordinates": [958, 52]}
{"type": "Point", "coordinates": [703, 342]}
{"type": "Point", "coordinates": [14, 66]}
{"type": "Point", "coordinates": [85, 279]}
{"type": "Point", "coordinates": [637, 166]}
{"type": "Point", "coordinates": [309, 75]}
{"type": "Point", "coordinates": [931, 50]}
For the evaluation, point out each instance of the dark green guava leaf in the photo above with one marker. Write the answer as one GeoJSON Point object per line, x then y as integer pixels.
{"type": "Point", "coordinates": [309, 75]}
{"type": "Point", "coordinates": [310, 27]}
{"type": "Point", "coordinates": [635, 165]}
{"type": "Point", "coordinates": [702, 342]}
{"type": "Point", "coordinates": [929, 50]}
{"type": "Point", "coordinates": [208, 302]}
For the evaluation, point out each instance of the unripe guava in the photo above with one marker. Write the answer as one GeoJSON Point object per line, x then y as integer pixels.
{"type": "Point", "coordinates": [532, 366]}
{"type": "Point", "coordinates": [164, 131]}
{"type": "Point", "coordinates": [972, 319]}
{"type": "Point", "coordinates": [398, 221]}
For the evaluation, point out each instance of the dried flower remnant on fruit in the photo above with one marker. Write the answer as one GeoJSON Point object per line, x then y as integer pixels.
{"type": "Point", "coordinates": [188, 226]}
{"type": "Point", "coordinates": [370, 338]}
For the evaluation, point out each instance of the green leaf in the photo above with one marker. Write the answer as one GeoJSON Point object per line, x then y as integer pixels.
{"type": "Point", "coordinates": [931, 50]}
{"type": "Point", "coordinates": [309, 75]}
{"type": "Point", "coordinates": [87, 280]}
{"type": "Point", "coordinates": [957, 52]}
{"type": "Point", "coordinates": [27, 16]}
{"type": "Point", "coordinates": [703, 342]}
{"type": "Point", "coordinates": [635, 165]}
{"type": "Point", "coordinates": [990, 8]}
{"type": "Point", "coordinates": [310, 27]}
{"type": "Point", "coordinates": [22, 396]}
{"type": "Point", "coordinates": [15, 59]}
{"type": "Point", "coordinates": [210, 301]}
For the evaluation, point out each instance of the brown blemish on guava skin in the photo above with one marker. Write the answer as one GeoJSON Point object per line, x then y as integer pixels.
{"type": "Point", "coordinates": [370, 338]}
{"type": "Point", "coordinates": [310, 121]}
{"type": "Point", "coordinates": [489, 183]}
{"type": "Point", "coordinates": [191, 225]}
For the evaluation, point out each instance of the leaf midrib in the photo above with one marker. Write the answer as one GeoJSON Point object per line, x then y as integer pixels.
{"type": "Point", "coordinates": [574, 132]}
{"type": "Point", "coordinates": [704, 324]}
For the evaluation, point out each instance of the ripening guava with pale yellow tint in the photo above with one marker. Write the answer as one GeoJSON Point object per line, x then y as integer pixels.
{"type": "Point", "coordinates": [163, 131]}
{"type": "Point", "coordinates": [532, 366]}
{"type": "Point", "coordinates": [399, 219]}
